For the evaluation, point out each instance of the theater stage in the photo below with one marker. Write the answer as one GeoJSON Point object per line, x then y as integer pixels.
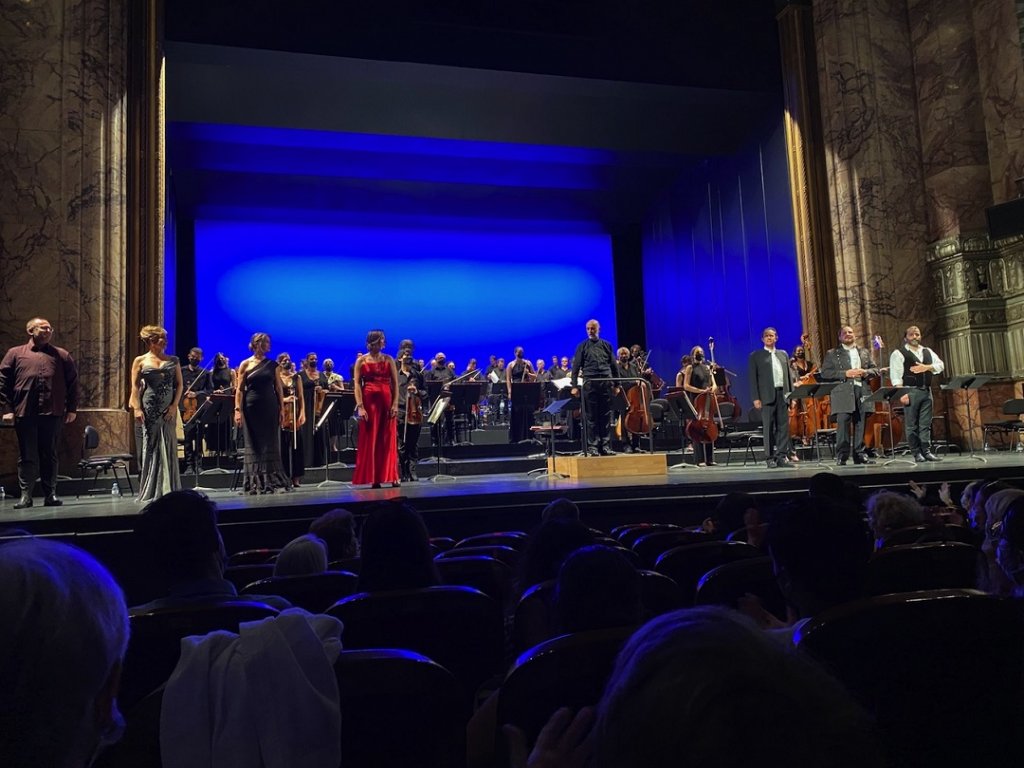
{"type": "Point", "coordinates": [505, 496]}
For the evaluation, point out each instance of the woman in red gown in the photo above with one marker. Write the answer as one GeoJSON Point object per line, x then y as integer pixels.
{"type": "Point", "coordinates": [376, 384]}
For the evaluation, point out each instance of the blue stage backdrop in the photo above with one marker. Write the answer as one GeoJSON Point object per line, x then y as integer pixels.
{"type": "Point", "coordinates": [720, 261]}
{"type": "Point", "coordinates": [469, 292]}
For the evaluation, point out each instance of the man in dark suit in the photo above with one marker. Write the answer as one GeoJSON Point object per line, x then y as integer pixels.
{"type": "Point", "coordinates": [852, 366]}
{"type": "Point", "coordinates": [594, 359]}
{"type": "Point", "coordinates": [770, 384]}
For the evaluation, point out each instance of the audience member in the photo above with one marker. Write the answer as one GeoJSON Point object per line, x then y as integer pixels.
{"type": "Point", "coordinates": [560, 509]}
{"type": "Point", "coordinates": [597, 588]}
{"type": "Point", "coordinates": [889, 511]}
{"type": "Point", "coordinates": [737, 513]}
{"type": "Point", "coordinates": [1009, 554]}
{"type": "Point", "coordinates": [337, 528]}
{"type": "Point", "coordinates": [63, 635]}
{"type": "Point", "coordinates": [396, 550]}
{"type": "Point", "coordinates": [702, 687]}
{"type": "Point", "coordinates": [301, 557]}
{"type": "Point", "coordinates": [547, 549]}
{"type": "Point", "coordinates": [976, 512]}
{"type": "Point", "coordinates": [819, 552]}
{"type": "Point", "coordinates": [180, 535]}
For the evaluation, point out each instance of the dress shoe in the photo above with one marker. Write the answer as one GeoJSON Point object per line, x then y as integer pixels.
{"type": "Point", "coordinates": [412, 475]}
{"type": "Point", "coordinates": [782, 461]}
{"type": "Point", "coordinates": [919, 458]}
{"type": "Point", "coordinates": [607, 452]}
{"type": "Point", "coordinates": [863, 460]}
{"type": "Point", "coordinates": [25, 501]}
{"type": "Point", "coordinates": [929, 456]}
{"type": "Point", "coordinates": [841, 462]}
{"type": "Point", "coordinates": [52, 501]}
{"type": "Point", "coordinates": [772, 463]}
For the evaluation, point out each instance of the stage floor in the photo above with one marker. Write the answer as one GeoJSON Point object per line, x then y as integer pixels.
{"type": "Point", "coordinates": [480, 493]}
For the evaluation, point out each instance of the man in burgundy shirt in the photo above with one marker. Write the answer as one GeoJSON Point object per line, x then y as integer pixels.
{"type": "Point", "coordinates": [38, 393]}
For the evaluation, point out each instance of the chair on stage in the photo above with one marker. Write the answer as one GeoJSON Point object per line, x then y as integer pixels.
{"type": "Point", "coordinates": [744, 435]}
{"type": "Point", "coordinates": [102, 463]}
{"type": "Point", "coordinates": [1007, 428]}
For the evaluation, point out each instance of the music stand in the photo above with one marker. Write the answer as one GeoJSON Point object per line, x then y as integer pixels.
{"type": "Point", "coordinates": [464, 396]}
{"type": "Point", "coordinates": [330, 403]}
{"type": "Point", "coordinates": [965, 383]}
{"type": "Point", "coordinates": [553, 410]}
{"type": "Point", "coordinates": [199, 419]}
{"type": "Point", "coordinates": [339, 407]}
{"type": "Point", "coordinates": [218, 417]}
{"type": "Point", "coordinates": [676, 396]}
{"type": "Point", "coordinates": [888, 395]}
{"type": "Point", "coordinates": [523, 402]}
{"type": "Point", "coordinates": [812, 392]}
{"type": "Point", "coordinates": [434, 388]}
{"type": "Point", "coordinates": [437, 413]}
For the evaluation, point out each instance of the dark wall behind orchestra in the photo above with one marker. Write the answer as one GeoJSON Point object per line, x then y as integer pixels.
{"type": "Point", "coordinates": [627, 266]}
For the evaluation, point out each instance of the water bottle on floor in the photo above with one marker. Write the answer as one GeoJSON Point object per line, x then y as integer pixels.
{"type": "Point", "coordinates": [115, 491]}
{"type": "Point", "coordinates": [3, 493]}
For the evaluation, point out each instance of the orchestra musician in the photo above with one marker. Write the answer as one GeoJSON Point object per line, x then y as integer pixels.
{"type": "Point", "coordinates": [770, 384]}
{"type": "Point", "coordinates": [851, 365]}
{"type": "Point", "coordinates": [222, 377]}
{"type": "Point", "coordinates": [376, 384]}
{"type": "Point", "coordinates": [198, 386]}
{"type": "Point", "coordinates": [698, 378]}
{"type": "Point", "coordinates": [439, 371]}
{"type": "Point", "coordinates": [314, 387]}
{"type": "Point", "coordinates": [410, 345]}
{"type": "Point", "coordinates": [595, 359]}
{"type": "Point", "coordinates": [293, 419]}
{"type": "Point", "coordinates": [913, 365]}
{"type": "Point", "coordinates": [684, 361]}
{"type": "Point", "coordinates": [628, 368]}
{"type": "Point", "coordinates": [520, 418]}
{"type": "Point", "coordinates": [258, 412]}
{"type": "Point", "coordinates": [543, 374]}
{"type": "Point", "coordinates": [38, 394]}
{"type": "Point", "coordinates": [555, 371]}
{"type": "Point", "coordinates": [800, 363]}
{"type": "Point", "coordinates": [335, 381]}
{"type": "Point", "coordinates": [410, 386]}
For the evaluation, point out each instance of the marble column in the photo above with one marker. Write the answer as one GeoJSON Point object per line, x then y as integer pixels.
{"type": "Point", "coordinates": [62, 169]}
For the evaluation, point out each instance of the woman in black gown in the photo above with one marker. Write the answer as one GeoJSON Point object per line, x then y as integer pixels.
{"type": "Point", "coordinates": [258, 402]}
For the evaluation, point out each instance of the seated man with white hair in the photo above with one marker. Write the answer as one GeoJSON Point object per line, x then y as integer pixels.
{"type": "Point", "coordinates": [63, 635]}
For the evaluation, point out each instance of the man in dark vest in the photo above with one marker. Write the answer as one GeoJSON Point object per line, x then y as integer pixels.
{"type": "Point", "coordinates": [913, 365]}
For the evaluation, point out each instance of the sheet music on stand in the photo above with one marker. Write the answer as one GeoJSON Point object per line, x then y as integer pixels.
{"type": "Point", "coordinates": [965, 383]}
{"type": "Point", "coordinates": [812, 392]}
{"type": "Point", "coordinates": [436, 414]}
{"type": "Point", "coordinates": [328, 409]}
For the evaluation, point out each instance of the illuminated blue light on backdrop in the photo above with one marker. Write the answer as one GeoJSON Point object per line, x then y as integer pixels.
{"type": "Point", "coordinates": [469, 292]}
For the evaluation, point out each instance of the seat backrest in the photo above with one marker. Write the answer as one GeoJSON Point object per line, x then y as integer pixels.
{"type": "Point", "coordinates": [514, 539]}
{"type": "Point", "coordinates": [488, 574]}
{"type": "Point", "coordinates": [155, 642]}
{"type": "Point", "coordinates": [569, 671]}
{"type": "Point", "coordinates": [631, 533]}
{"type": "Point", "coordinates": [243, 575]}
{"type": "Point", "coordinates": [727, 583]}
{"type": "Point", "coordinates": [350, 564]}
{"type": "Point", "coordinates": [658, 593]}
{"type": "Point", "coordinates": [441, 543]}
{"type": "Point", "coordinates": [458, 627]}
{"type": "Point", "coordinates": [253, 557]}
{"type": "Point", "coordinates": [316, 592]}
{"type": "Point", "coordinates": [507, 555]}
{"type": "Point", "coordinates": [688, 563]}
{"type": "Point", "coordinates": [912, 567]}
{"type": "Point", "coordinates": [533, 621]}
{"type": "Point", "coordinates": [651, 545]}
{"type": "Point", "coordinates": [908, 535]}
{"type": "Point", "coordinates": [399, 709]}
{"type": "Point", "coordinates": [1014, 407]}
{"type": "Point", "coordinates": [940, 671]}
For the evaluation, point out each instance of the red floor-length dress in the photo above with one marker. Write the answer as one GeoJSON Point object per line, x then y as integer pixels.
{"type": "Point", "coordinates": [377, 449]}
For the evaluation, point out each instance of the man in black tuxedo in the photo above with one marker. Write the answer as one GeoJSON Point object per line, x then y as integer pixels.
{"type": "Point", "coordinates": [594, 359]}
{"type": "Point", "coordinates": [770, 384]}
{"type": "Point", "coordinates": [852, 366]}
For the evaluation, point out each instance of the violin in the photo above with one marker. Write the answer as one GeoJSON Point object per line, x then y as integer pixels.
{"type": "Point", "coordinates": [191, 406]}
{"type": "Point", "coordinates": [413, 407]}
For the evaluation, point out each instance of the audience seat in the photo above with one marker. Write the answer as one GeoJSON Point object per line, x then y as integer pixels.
{"type": "Point", "coordinates": [398, 709]}
{"type": "Point", "coordinates": [630, 533]}
{"type": "Point", "coordinates": [243, 575]}
{"type": "Point", "coordinates": [941, 672]}
{"type": "Point", "coordinates": [155, 641]}
{"type": "Point", "coordinates": [514, 539]}
{"type": "Point", "coordinates": [350, 564]}
{"type": "Point", "coordinates": [727, 583]}
{"type": "Point", "coordinates": [913, 567]}
{"type": "Point", "coordinates": [458, 627]}
{"type": "Point", "coordinates": [569, 671]}
{"type": "Point", "coordinates": [253, 557]}
{"type": "Point", "coordinates": [316, 592]}
{"type": "Point", "coordinates": [651, 545]}
{"type": "Point", "coordinates": [488, 574]}
{"type": "Point", "coordinates": [441, 543]}
{"type": "Point", "coordinates": [916, 534]}
{"type": "Point", "coordinates": [687, 564]}
{"type": "Point", "coordinates": [506, 554]}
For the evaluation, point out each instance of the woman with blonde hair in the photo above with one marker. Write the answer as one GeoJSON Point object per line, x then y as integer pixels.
{"type": "Point", "coordinates": [156, 390]}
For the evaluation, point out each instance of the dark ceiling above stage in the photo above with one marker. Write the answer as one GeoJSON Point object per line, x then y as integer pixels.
{"type": "Point", "coordinates": [639, 91]}
{"type": "Point", "coordinates": [704, 44]}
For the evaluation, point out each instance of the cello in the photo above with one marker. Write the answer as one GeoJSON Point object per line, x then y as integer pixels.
{"type": "Point", "coordinates": [637, 420]}
{"type": "Point", "coordinates": [702, 428]}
